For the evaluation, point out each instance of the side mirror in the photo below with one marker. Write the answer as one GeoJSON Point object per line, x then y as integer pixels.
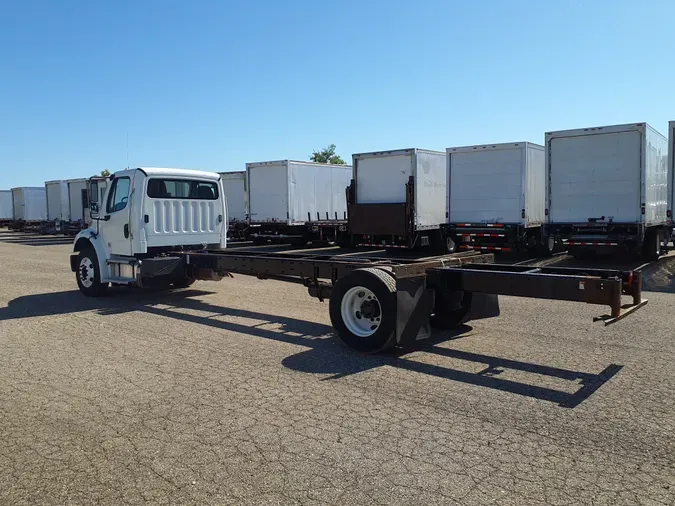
{"type": "Point", "coordinates": [93, 207]}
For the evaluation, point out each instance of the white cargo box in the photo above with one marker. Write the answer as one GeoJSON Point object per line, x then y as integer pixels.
{"type": "Point", "coordinates": [30, 203]}
{"type": "Point", "coordinates": [6, 207]}
{"type": "Point", "coordinates": [497, 183]}
{"type": "Point", "coordinates": [57, 200]}
{"type": "Point", "coordinates": [234, 188]}
{"type": "Point", "coordinates": [77, 198]}
{"type": "Point", "coordinates": [614, 173]}
{"type": "Point", "coordinates": [381, 178]}
{"type": "Point", "coordinates": [295, 192]}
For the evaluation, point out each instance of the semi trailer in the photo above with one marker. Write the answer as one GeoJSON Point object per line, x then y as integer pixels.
{"type": "Point", "coordinates": [78, 205]}
{"type": "Point", "coordinates": [297, 202]}
{"type": "Point", "coordinates": [608, 189]}
{"type": "Point", "coordinates": [6, 208]}
{"type": "Point", "coordinates": [236, 196]}
{"type": "Point", "coordinates": [397, 199]}
{"type": "Point", "coordinates": [57, 205]}
{"type": "Point", "coordinates": [496, 199]}
{"type": "Point", "coordinates": [29, 206]}
{"type": "Point", "coordinates": [166, 228]}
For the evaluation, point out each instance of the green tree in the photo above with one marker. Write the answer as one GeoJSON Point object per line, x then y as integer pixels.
{"type": "Point", "coordinates": [327, 155]}
{"type": "Point", "coordinates": [105, 172]}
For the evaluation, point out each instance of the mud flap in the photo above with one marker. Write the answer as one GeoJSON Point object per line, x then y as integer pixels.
{"type": "Point", "coordinates": [483, 305]}
{"type": "Point", "coordinates": [414, 304]}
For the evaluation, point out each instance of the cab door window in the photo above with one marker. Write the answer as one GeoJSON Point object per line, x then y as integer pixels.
{"type": "Point", "coordinates": [118, 195]}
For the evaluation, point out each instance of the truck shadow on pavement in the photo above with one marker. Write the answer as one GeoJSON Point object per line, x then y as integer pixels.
{"type": "Point", "coordinates": [326, 355]}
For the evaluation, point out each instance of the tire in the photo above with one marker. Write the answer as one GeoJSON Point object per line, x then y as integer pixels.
{"type": "Point", "coordinates": [547, 247]}
{"type": "Point", "coordinates": [452, 308]}
{"type": "Point", "coordinates": [183, 282]}
{"type": "Point", "coordinates": [89, 275]}
{"type": "Point", "coordinates": [652, 246]}
{"type": "Point", "coordinates": [362, 290]}
{"type": "Point", "coordinates": [449, 244]}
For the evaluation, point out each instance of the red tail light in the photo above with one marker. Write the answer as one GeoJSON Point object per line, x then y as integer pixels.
{"type": "Point", "coordinates": [546, 212]}
{"type": "Point", "coordinates": [669, 213]}
{"type": "Point", "coordinates": [522, 213]}
{"type": "Point", "coordinates": [643, 209]}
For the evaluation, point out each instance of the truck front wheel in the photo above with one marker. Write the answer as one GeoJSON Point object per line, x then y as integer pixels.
{"type": "Point", "coordinates": [89, 275]}
{"type": "Point", "coordinates": [363, 310]}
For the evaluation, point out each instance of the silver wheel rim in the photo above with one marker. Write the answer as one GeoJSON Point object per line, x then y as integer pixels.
{"type": "Point", "coordinates": [361, 311]}
{"type": "Point", "coordinates": [450, 244]}
{"type": "Point", "coordinates": [86, 272]}
{"type": "Point", "coordinates": [551, 242]}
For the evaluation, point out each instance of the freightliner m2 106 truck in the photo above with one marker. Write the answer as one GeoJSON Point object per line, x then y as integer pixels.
{"type": "Point", "coordinates": [166, 228]}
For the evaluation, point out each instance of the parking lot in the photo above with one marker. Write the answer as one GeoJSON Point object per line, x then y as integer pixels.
{"type": "Point", "coordinates": [237, 393]}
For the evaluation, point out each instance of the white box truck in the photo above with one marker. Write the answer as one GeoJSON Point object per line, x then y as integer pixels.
{"type": "Point", "coordinates": [297, 202]}
{"type": "Point", "coordinates": [397, 199]}
{"type": "Point", "coordinates": [234, 188]}
{"type": "Point", "coordinates": [78, 204]}
{"type": "Point", "coordinates": [6, 208]}
{"type": "Point", "coordinates": [57, 205]}
{"type": "Point", "coordinates": [29, 206]}
{"type": "Point", "coordinates": [608, 189]}
{"type": "Point", "coordinates": [496, 198]}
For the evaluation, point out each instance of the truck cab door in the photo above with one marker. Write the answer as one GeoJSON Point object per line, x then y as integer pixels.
{"type": "Point", "coordinates": [115, 227]}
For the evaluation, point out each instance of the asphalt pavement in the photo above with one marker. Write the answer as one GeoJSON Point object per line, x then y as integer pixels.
{"type": "Point", "coordinates": [237, 392]}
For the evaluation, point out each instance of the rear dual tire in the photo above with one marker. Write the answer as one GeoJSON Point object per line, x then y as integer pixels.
{"type": "Point", "coordinates": [363, 310]}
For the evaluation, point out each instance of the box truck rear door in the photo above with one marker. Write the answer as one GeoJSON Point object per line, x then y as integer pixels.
{"type": "Point", "coordinates": [595, 175]}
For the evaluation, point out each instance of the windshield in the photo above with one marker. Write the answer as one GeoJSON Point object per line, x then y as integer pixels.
{"type": "Point", "coordinates": [182, 189]}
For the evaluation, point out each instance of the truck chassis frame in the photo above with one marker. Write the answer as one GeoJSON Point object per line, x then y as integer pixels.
{"type": "Point", "coordinates": [451, 289]}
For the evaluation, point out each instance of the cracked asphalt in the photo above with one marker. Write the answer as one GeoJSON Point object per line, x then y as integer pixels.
{"type": "Point", "coordinates": [237, 393]}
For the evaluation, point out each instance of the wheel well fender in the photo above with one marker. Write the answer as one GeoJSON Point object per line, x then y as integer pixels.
{"type": "Point", "coordinates": [83, 242]}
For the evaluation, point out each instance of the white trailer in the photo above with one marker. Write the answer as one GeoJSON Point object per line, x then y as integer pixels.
{"type": "Point", "coordinates": [234, 188]}
{"type": "Point", "coordinates": [29, 205]}
{"type": "Point", "coordinates": [6, 207]}
{"type": "Point", "coordinates": [496, 198]}
{"type": "Point", "coordinates": [297, 202]}
{"type": "Point", "coordinates": [58, 212]}
{"type": "Point", "coordinates": [78, 204]}
{"type": "Point", "coordinates": [608, 188]}
{"type": "Point", "coordinates": [397, 198]}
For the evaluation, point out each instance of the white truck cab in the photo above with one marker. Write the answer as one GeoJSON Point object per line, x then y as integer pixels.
{"type": "Point", "coordinates": [144, 214]}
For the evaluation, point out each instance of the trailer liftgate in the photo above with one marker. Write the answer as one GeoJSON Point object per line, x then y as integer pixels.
{"type": "Point", "coordinates": [422, 286]}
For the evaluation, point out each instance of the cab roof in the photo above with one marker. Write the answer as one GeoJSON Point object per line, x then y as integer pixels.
{"type": "Point", "coordinates": [174, 173]}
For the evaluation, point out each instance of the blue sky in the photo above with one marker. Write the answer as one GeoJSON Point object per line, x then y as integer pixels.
{"type": "Point", "coordinates": [213, 84]}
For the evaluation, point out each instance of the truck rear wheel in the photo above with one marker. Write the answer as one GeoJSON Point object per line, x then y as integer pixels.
{"type": "Point", "coordinates": [89, 275]}
{"type": "Point", "coordinates": [363, 310]}
{"type": "Point", "coordinates": [652, 245]}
